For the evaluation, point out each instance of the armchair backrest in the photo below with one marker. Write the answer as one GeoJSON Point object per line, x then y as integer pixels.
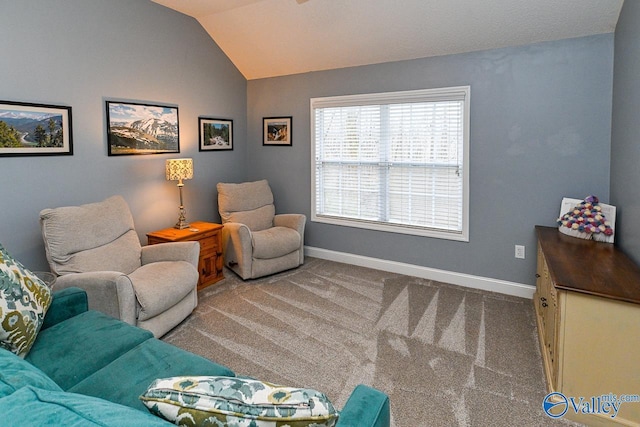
{"type": "Point", "coordinates": [92, 237]}
{"type": "Point", "coordinates": [249, 203]}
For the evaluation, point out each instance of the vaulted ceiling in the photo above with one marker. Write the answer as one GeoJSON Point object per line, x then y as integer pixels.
{"type": "Point", "coordinates": [266, 38]}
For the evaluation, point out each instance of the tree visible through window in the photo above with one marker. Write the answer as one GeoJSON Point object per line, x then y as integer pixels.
{"type": "Point", "coordinates": [393, 161]}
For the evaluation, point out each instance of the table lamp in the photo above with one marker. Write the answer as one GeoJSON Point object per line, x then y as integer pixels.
{"type": "Point", "coordinates": [177, 170]}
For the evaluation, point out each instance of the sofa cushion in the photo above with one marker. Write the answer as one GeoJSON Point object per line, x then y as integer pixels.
{"type": "Point", "coordinates": [275, 242]}
{"type": "Point", "coordinates": [16, 373]}
{"type": "Point", "coordinates": [139, 367]}
{"type": "Point", "coordinates": [71, 350]}
{"type": "Point", "coordinates": [75, 242]}
{"type": "Point", "coordinates": [24, 300]}
{"type": "Point", "coordinates": [31, 406]}
{"type": "Point", "coordinates": [237, 401]}
{"type": "Point", "coordinates": [160, 285]}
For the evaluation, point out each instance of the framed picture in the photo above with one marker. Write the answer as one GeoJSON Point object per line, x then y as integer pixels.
{"type": "Point", "coordinates": [35, 129]}
{"type": "Point", "coordinates": [276, 130]}
{"type": "Point", "coordinates": [215, 134]}
{"type": "Point", "coordinates": [142, 129]}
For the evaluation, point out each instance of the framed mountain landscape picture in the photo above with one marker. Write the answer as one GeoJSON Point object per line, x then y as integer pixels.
{"type": "Point", "coordinates": [35, 129]}
{"type": "Point", "coordinates": [134, 128]}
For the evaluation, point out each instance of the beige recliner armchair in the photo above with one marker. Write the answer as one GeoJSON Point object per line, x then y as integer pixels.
{"type": "Point", "coordinates": [96, 248]}
{"type": "Point", "coordinates": [256, 241]}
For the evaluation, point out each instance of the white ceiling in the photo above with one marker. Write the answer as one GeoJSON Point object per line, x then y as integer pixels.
{"type": "Point", "coordinates": [266, 38]}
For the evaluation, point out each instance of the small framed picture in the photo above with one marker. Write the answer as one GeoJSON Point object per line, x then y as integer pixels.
{"type": "Point", "coordinates": [276, 130]}
{"type": "Point", "coordinates": [215, 134]}
{"type": "Point", "coordinates": [35, 129]}
{"type": "Point", "coordinates": [134, 128]}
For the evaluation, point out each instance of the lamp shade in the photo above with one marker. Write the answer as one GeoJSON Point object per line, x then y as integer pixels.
{"type": "Point", "coordinates": [178, 169]}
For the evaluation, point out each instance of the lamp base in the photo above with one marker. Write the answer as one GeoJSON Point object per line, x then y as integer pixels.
{"type": "Point", "coordinates": [181, 225]}
{"type": "Point", "coordinates": [182, 220]}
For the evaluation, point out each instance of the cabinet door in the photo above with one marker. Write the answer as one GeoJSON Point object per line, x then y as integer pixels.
{"type": "Point", "coordinates": [600, 348]}
{"type": "Point", "coordinates": [550, 316]}
{"type": "Point", "coordinates": [208, 268]}
{"type": "Point", "coordinates": [541, 287]}
{"type": "Point", "coordinates": [210, 264]}
{"type": "Point", "coordinates": [547, 306]}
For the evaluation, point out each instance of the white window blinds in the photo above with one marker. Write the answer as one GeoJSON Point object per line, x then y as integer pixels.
{"type": "Point", "coordinates": [394, 161]}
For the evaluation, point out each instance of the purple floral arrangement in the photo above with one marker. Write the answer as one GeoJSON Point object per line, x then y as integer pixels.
{"type": "Point", "coordinates": [586, 217]}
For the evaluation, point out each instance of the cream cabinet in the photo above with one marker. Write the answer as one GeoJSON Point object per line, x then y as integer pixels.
{"type": "Point", "coordinates": [587, 304]}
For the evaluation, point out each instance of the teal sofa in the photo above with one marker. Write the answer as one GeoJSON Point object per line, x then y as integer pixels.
{"type": "Point", "coordinates": [87, 368]}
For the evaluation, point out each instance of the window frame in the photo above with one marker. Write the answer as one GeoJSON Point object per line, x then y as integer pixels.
{"type": "Point", "coordinates": [422, 95]}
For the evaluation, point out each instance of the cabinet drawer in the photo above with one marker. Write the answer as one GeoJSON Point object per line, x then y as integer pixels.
{"type": "Point", "coordinates": [155, 240]}
{"type": "Point", "coordinates": [209, 244]}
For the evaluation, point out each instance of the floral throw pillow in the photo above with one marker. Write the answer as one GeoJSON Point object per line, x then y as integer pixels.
{"type": "Point", "coordinates": [237, 402]}
{"type": "Point", "coordinates": [24, 300]}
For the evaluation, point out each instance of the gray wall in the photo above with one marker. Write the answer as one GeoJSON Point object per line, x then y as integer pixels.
{"type": "Point", "coordinates": [540, 130]}
{"type": "Point", "coordinates": [81, 52]}
{"type": "Point", "coordinates": [625, 136]}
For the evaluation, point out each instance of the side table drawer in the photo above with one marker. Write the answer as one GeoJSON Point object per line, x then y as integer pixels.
{"type": "Point", "coordinates": [209, 243]}
{"type": "Point", "coordinates": [155, 240]}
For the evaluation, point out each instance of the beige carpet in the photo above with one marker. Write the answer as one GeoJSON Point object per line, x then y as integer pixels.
{"type": "Point", "coordinates": [445, 355]}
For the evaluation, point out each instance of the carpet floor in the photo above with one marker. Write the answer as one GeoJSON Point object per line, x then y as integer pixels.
{"type": "Point", "coordinates": [446, 355]}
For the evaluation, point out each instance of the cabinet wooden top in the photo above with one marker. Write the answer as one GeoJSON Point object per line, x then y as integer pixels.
{"type": "Point", "coordinates": [175, 235]}
{"type": "Point", "coordinates": [588, 266]}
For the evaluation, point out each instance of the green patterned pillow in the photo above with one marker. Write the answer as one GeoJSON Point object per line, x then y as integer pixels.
{"type": "Point", "coordinates": [237, 402]}
{"type": "Point", "coordinates": [24, 300]}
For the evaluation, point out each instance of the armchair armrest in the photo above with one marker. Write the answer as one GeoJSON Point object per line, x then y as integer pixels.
{"type": "Point", "coordinates": [175, 251]}
{"type": "Point", "coordinates": [366, 407]}
{"type": "Point", "coordinates": [66, 304]}
{"type": "Point", "coordinates": [295, 221]}
{"type": "Point", "coordinates": [110, 292]}
{"type": "Point", "coordinates": [238, 248]}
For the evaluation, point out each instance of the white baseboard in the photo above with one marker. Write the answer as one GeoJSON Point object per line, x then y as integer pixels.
{"type": "Point", "coordinates": [461, 279]}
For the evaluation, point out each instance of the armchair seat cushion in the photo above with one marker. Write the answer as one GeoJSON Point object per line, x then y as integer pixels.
{"type": "Point", "coordinates": [160, 285]}
{"type": "Point", "coordinates": [274, 242]}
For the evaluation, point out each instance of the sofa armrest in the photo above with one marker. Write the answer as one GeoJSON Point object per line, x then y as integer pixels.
{"type": "Point", "coordinates": [175, 251]}
{"type": "Point", "coordinates": [66, 304]}
{"type": "Point", "coordinates": [366, 407]}
{"type": "Point", "coordinates": [109, 292]}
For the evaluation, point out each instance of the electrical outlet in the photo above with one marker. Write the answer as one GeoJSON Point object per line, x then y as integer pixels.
{"type": "Point", "coordinates": [520, 251]}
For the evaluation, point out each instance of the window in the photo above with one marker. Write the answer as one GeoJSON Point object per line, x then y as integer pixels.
{"type": "Point", "coordinates": [393, 161]}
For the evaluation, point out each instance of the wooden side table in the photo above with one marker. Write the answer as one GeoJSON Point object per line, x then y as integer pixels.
{"type": "Point", "coordinates": [210, 237]}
